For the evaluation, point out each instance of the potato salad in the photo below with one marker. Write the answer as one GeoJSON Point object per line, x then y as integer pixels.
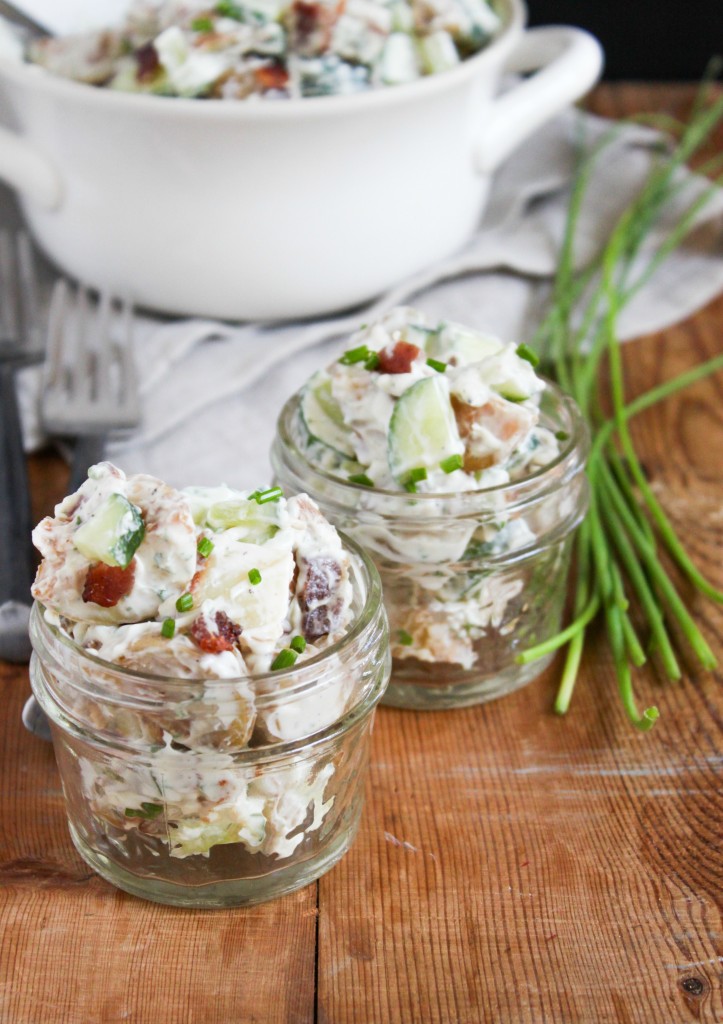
{"type": "Point", "coordinates": [200, 592]}
{"type": "Point", "coordinates": [250, 49]}
{"type": "Point", "coordinates": [428, 424]}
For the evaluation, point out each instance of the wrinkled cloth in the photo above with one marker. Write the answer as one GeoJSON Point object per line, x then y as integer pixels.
{"type": "Point", "coordinates": [212, 391]}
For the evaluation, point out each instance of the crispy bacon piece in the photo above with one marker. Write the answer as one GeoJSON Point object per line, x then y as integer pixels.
{"type": "Point", "coordinates": [398, 358]}
{"type": "Point", "coordinates": [147, 63]}
{"type": "Point", "coordinates": [506, 421]}
{"type": "Point", "coordinates": [322, 575]}
{"type": "Point", "coordinates": [107, 584]}
{"type": "Point", "coordinates": [311, 25]}
{"type": "Point", "coordinates": [271, 77]}
{"type": "Point", "coordinates": [223, 639]}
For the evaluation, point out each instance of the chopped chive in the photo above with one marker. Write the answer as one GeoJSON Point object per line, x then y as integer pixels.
{"type": "Point", "coordinates": [525, 352]}
{"type": "Point", "coordinates": [298, 644]}
{"type": "Point", "coordinates": [562, 435]}
{"type": "Point", "coordinates": [355, 355]}
{"type": "Point", "coordinates": [361, 478]}
{"type": "Point", "coordinates": [146, 810]}
{"type": "Point", "coordinates": [411, 487]}
{"type": "Point", "coordinates": [414, 476]}
{"type": "Point", "coordinates": [284, 659]}
{"type": "Point", "coordinates": [440, 367]}
{"type": "Point", "coordinates": [168, 629]}
{"type": "Point", "coordinates": [202, 25]}
{"type": "Point", "coordinates": [184, 603]}
{"type": "Point", "coordinates": [263, 497]}
{"type": "Point", "coordinates": [205, 547]}
{"type": "Point", "coordinates": [405, 639]}
{"type": "Point", "coordinates": [227, 9]}
{"type": "Point", "coordinates": [254, 576]}
{"type": "Point", "coordinates": [452, 463]}
{"type": "Point", "coordinates": [372, 363]}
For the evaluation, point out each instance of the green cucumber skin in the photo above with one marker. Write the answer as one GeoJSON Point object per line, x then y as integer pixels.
{"type": "Point", "coordinates": [408, 448]}
{"type": "Point", "coordinates": [320, 425]}
{"type": "Point", "coordinates": [113, 534]}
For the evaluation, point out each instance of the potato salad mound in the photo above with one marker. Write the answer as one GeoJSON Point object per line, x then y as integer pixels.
{"type": "Point", "coordinates": [203, 588]}
{"type": "Point", "coordinates": [250, 49]}
{"type": "Point", "coordinates": [419, 406]}
{"type": "Point", "coordinates": [206, 581]}
{"type": "Point", "coordinates": [425, 424]}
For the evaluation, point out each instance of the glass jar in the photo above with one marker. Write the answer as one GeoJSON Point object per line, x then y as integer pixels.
{"type": "Point", "coordinates": [215, 792]}
{"type": "Point", "coordinates": [471, 579]}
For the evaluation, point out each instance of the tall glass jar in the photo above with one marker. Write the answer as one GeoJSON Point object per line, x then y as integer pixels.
{"type": "Point", "coordinates": [470, 579]}
{"type": "Point", "coordinates": [215, 792]}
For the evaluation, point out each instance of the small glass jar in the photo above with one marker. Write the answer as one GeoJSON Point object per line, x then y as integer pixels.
{"type": "Point", "coordinates": [470, 579]}
{"type": "Point", "coordinates": [215, 792]}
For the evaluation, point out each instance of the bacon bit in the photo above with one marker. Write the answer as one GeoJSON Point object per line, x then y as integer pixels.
{"type": "Point", "coordinates": [316, 618]}
{"type": "Point", "coordinates": [315, 624]}
{"type": "Point", "coordinates": [312, 24]}
{"type": "Point", "coordinates": [148, 63]}
{"type": "Point", "coordinates": [294, 579]}
{"type": "Point", "coordinates": [105, 584]}
{"type": "Point", "coordinates": [197, 580]}
{"type": "Point", "coordinates": [307, 18]}
{"type": "Point", "coordinates": [399, 358]}
{"type": "Point", "coordinates": [321, 573]}
{"type": "Point", "coordinates": [213, 643]}
{"type": "Point", "coordinates": [271, 77]}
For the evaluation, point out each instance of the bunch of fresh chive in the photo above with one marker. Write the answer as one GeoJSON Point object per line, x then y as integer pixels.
{"type": "Point", "coordinates": [619, 571]}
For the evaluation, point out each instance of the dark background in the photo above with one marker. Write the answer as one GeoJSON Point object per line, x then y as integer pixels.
{"type": "Point", "coordinates": [644, 39]}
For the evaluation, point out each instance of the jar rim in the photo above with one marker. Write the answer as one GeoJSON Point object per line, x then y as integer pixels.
{"type": "Point", "coordinates": [372, 603]}
{"type": "Point", "coordinates": [577, 443]}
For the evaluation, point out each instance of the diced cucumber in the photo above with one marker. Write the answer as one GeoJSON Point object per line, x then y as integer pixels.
{"type": "Point", "coordinates": [422, 430]}
{"type": "Point", "coordinates": [468, 346]}
{"type": "Point", "coordinates": [112, 535]}
{"type": "Point", "coordinates": [482, 15]}
{"type": "Point", "coordinates": [438, 52]}
{"type": "Point", "coordinates": [398, 61]}
{"type": "Point", "coordinates": [323, 418]}
{"type": "Point", "coordinates": [402, 17]}
{"type": "Point", "coordinates": [258, 523]}
{"type": "Point", "coordinates": [511, 376]}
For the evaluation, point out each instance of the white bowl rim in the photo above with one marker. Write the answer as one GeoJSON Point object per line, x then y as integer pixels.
{"type": "Point", "coordinates": [24, 73]}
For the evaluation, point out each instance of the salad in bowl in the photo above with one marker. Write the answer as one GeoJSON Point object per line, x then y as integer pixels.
{"type": "Point", "coordinates": [250, 49]}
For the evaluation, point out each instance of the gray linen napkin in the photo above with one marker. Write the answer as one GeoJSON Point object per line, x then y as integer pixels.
{"type": "Point", "coordinates": [212, 391]}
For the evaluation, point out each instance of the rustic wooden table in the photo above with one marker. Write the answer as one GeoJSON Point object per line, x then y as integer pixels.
{"type": "Point", "coordinates": [512, 866]}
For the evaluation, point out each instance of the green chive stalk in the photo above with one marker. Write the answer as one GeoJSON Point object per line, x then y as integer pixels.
{"type": "Point", "coordinates": [620, 574]}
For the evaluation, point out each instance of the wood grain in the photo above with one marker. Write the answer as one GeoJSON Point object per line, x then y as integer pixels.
{"type": "Point", "coordinates": [512, 867]}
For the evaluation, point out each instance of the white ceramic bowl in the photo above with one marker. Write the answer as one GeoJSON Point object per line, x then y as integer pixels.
{"type": "Point", "coordinates": [275, 209]}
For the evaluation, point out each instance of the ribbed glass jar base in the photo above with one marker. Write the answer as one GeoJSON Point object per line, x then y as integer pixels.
{"type": "Point", "coordinates": [471, 579]}
{"type": "Point", "coordinates": [415, 687]}
{"type": "Point", "coordinates": [214, 894]}
{"type": "Point", "coordinates": [208, 792]}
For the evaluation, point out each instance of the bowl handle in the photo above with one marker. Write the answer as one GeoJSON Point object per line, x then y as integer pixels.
{"type": "Point", "coordinates": [26, 170]}
{"type": "Point", "coordinates": [567, 62]}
